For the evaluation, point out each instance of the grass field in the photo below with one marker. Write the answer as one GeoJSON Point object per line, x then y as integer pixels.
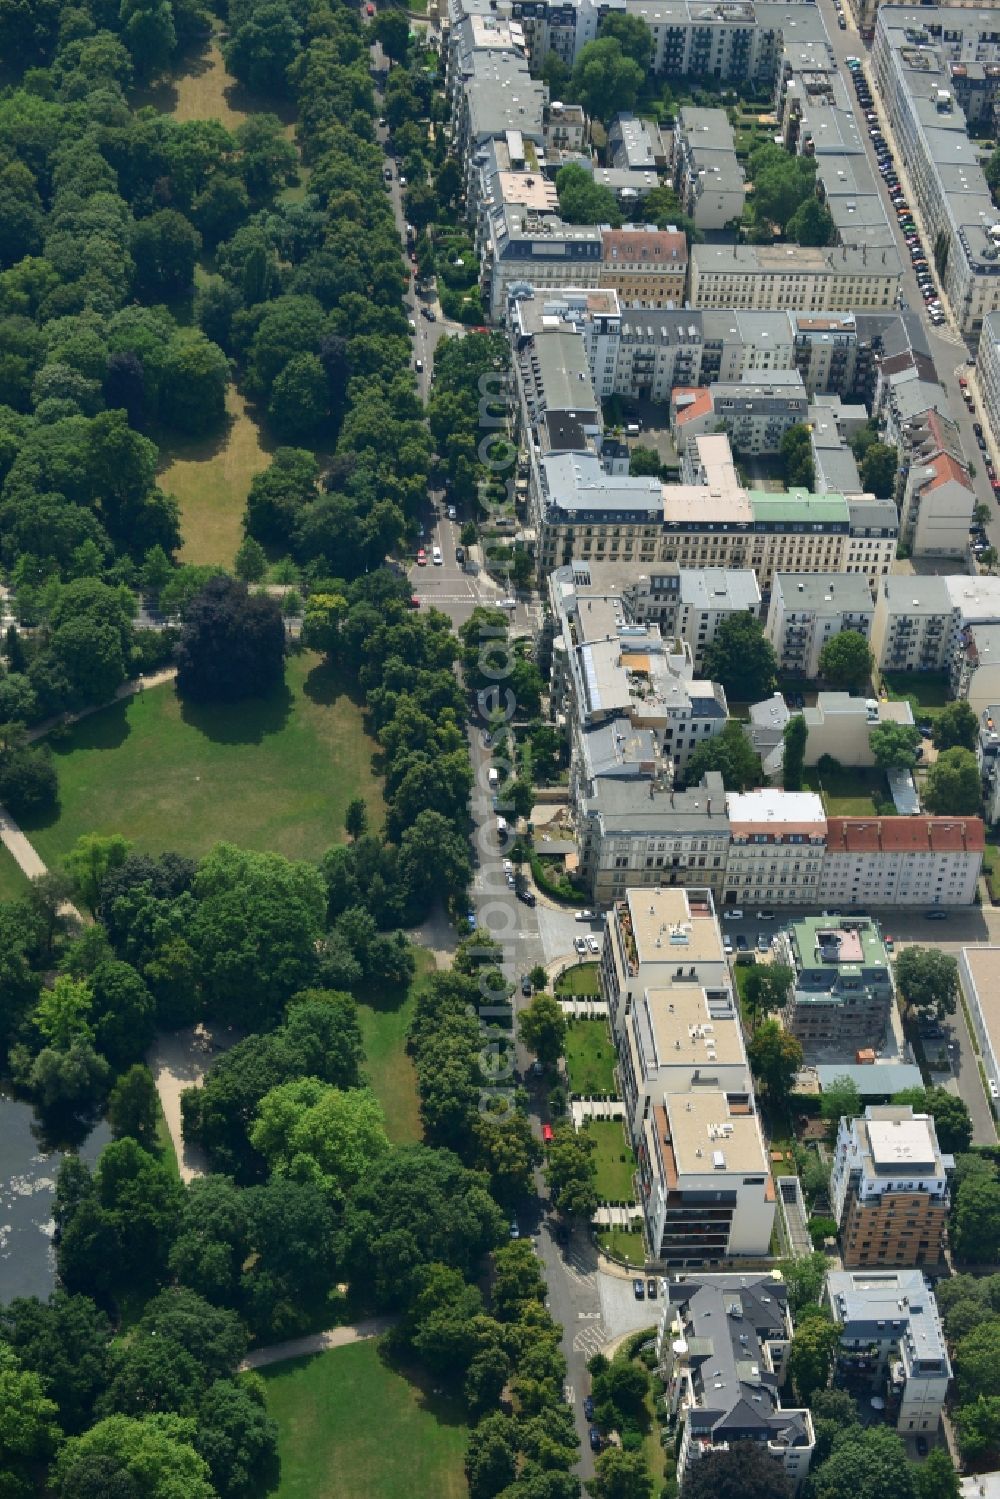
{"type": "Point", "coordinates": [273, 773]}
{"type": "Point", "coordinates": [580, 980]}
{"type": "Point", "coordinates": [210, 478]}
{"type": "Point", "coordinates": [625, 1244]}
{"type": "Point", "coordinates": [203, 91]}
{"type": "Point", "coordinates": [349, 1425]}
{"type": "Point", "coordinates": [614, 1175]}
{"type": "Point", "coordinates": [927, 691]}
{"type": "Point", "coordinates": [384, 1023]}
{"type": "Point", "coordinates": [13, 884]}
{"type": "Point", "coordinates": [849, 791]}
{"type": "Point", "coordinates": [590, 1058]}
{"type": "Point", "coordinates": [165, 1144]}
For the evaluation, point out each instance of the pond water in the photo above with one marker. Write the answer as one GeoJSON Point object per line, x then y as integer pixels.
{"type": "Point", "coordinates": [29, 1164]}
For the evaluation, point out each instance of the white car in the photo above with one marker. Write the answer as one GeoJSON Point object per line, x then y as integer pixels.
{"type": "Point", "coordinates": [584, 916]}
{"type": "Point", "coordinates": [765, 915]}
{"type": "Point", "coordinates": [452, 513]}
{"type": "Point", "coordinates": [436, 557]}
{"type": "Point", "coordinates": [727, 944]}
{"type": "Point", "coordinates": [734, 915]}
{"type": "Point", "coordinates": [581, 946]}
{"type": "Point", "coordinates": [507, 604]}
{"type": "Point", "coordinates": [593, 944]}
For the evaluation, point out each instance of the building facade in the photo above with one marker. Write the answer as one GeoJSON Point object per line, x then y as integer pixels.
{"type": "Point", "coordinates": [707, 174]}
{"type": "Point", "coordinates": [889, 1189]}
{"type": "Point", "coordinates": [903, 861]}
{"type": "Point", "coordinates": [842, 990]}
{"type": "Point", "coordinates": [892, 1341]}
{"type": "Point", "coordinates": [806, 611]}
{"type": "Point", "coordinates": [777, 843]}
{"type": "Point", "coordinates": [794, 277]}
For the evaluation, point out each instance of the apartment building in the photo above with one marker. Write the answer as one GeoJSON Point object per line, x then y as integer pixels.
{"type": "Point", "coordinates": [677, 1039]}
{"type": "Point", "coordinates": [652, 937]}
{"type": "Point", "coordinates": [843, 987]}
{"type": "Point", "coordinates": [645, 265]}
{"type": "Point", "coordinates": [704, 1179]}
{"type": "Point", "coordinates": [903, 861]}
{"type": "Point", "coordinates": [933, 624]}
{"type": "Point", "coordinates": [796, 277]}
{"type": "Point", "coordinates": [808, 610]}
{"type": "Point", "coordinates": [777, 843]}
{"type": "Point", "coordinates": [754, 415]}
{"type": "Point", "coordinates": [920, 60]}
{"type": "Point", "coordinates": [889, 1189]}
{"type": "Point", "coordinates": [638, 833]}
{"type": "Point", "coordinates": [707, 174]}
{"type": "Point", "coordinates": [979, 975]}
{"type": "Point", "coordinates": [988, 755]}
{"type": "Point", "coordinates": [687, 605]}
{"type": "Point", "coordinates": [975, 666]}
{"type": "Point", "coordinates": [722, 1346]}
{"type": "Point", "coordinates": [988, 374]}
{"type": "Point", "coordinates": [525, 248]}
{"type": "Point", "coordinates": [636, 145]}
{"type": "Point", "coordinates": [831, 426]}
{"type": "Point", "coordinates": [892, 1341]}
{"type": "Point", "coordinates": [826, 351]}
{"type": "Point", "coordinates": [840, 726]}
{"type": "Point", "coordinates": [937, 501]}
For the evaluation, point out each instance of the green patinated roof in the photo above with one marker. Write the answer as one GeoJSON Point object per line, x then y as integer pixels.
{"type": "Point", "coordinates": [798, 505]}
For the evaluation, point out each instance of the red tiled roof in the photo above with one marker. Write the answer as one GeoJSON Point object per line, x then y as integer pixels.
{"type": "Point", "coordinates": [940, 835]}
{"type": "Point", "coordinates": [700, 403]}
{"type": "Point", "coordinates": [664, 245]}
{"type": "Point", "coordinates": [945, 468]}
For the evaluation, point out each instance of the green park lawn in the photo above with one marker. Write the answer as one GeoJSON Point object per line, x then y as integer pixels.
{"type": "Point", "coordinates": [270, 773]}
{"type": "Point", "coordinates": [580, 980]}
{"type": "Point", "coordinates": [13, 884]}
{"type": "Point", "coordinates": [349, 1425]}
{"type": "Point", "coordinates": [614, 1175]}
{"type": "Point", "coordinates": [625, 1243]}
{"type": "Point", "coordinates": [590, 1058]}
{"type": "Point", "coordinates": [385, 1020]}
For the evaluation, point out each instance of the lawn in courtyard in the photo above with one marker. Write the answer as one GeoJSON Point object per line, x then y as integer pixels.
{"type": "Point", "coordinates": [626, 1243]}
{"type": "Point", "coordinates": [349, 1425]}
{"type": "Point", "coordinates": [269, 773]}
{"type": "Point", "coordinates": [926, 691]}
{"type": "Point", "coordinates": [848, 791]}
{"type": "Point", "coordinates": [614, 1160]}
{"type": "Point", "coordinates": [580, 980]}
{"type": "Point", "coordinates": [590, 1059]}
{"type": "Point", "coordinates": [385, 1019]}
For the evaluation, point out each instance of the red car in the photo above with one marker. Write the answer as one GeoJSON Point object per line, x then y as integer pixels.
{"type": "Point", "coordinates": [421, 558]}
{"type": "Point", "coordinates": [547, 1135]}
{"type": "Point", "coordinates": [414, 601]}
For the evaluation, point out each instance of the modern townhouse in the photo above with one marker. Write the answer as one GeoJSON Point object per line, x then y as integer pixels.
{"type": "Point", "coordinates": [722, 1346]}
{"type": "Point", "coordinates": [707, 174]}
{"type": "Point", "coordinates": [809, 610]}
{"type": "Point", "coordinates": [889, 1189]}
{"type": "Point", "coordinates": [842, 990]}
{"type": "Point", "coordinates": [892, 1342]}
{"type": "Point", "coordinates": [920, 61]}
{"type": "Point", "coordinates": [777, 844]}
{"type": "Point", "coordinates": [903, 861]}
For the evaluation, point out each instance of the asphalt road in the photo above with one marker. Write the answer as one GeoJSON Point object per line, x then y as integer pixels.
{"type": "Point", "coordinates": [948, 349]}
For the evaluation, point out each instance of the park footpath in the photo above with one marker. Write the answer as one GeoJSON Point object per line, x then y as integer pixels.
{"type": "Point", "coordinates": [317, 1342]}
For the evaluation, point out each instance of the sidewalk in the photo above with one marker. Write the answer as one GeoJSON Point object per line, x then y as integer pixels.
{"type": "Point", "coordinates": [317, 1342]}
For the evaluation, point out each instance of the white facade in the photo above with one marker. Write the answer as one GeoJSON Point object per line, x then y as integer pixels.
{"type": "Point", "coordinates": [807, 611]}
{"type": "Point", "coordinates": [891, 1150]}
{"type": "Point", "coordinates": [988, 374]}
{"type": "Point", "coordinates": [793, 276]}
{"type": "Point", "coordinates": [776, 850]}
{"type": "Point", "coordinates": [903, 861]}
{"type": "Point", "coordinates": [840, 726]}
{"type": "Point", "coordinates": [979, 973]}
{"type": "Point", "coordinates": [652, 937]}
{"type": "Point", "coordinates": [891, 1335]}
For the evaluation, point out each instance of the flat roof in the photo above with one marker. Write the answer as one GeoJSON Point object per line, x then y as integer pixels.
{"type": "Point", "coordinates": [770, 808]}
{"type": "Point", "coordinates": [818, 940]}
{"type": "Point", "coordinates": [668, 924]}
{"type": "Point", "coordinates": [687, 1029]}
{"type": "Point", "coordinates": [983, 964]}
{"type": "Point", "coordinates": [798, 505]}
{"type": "Point", "coordinates": [707, 1137]}
{"type": "Point", "coordinates": [900, 1142]}
{"type": "Point", "coordinates": [826, 593]}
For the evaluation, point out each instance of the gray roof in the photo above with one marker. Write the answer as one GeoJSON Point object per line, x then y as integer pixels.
{"type": "Point", "coordinates": [720, 588]}
{"type": "Point", "coordinates": [576, 484]}
{"type": "Point", "coordinates": [824, 593]}
{"type": "Point", "coordinates": [916, 595]}
{"type": "Point", "coordinates": [879, 1081]}
{"type": "Point", "coordinates": [706, 129]}
{"type": "Point", "coordinates": [869, 514]}
{"type": "Point", "coordinates": [726, 1320]}
{"type": "Point", "coordinates": [625, 808]}
{"type": "Point", "coordinates": [501, 96]}
{"type": "Point", "coordinates": [874, 1303]}
{"type": "Point", "coordinates": [619, 750]}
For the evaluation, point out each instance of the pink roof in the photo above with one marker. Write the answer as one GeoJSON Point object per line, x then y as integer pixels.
{"type": "Point", "coordinates": [905, 834]}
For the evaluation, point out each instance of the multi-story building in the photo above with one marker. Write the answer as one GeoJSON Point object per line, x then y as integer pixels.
{"type": "Point", "coordinates": [705, 1184]}
{"type": "Point", "coordinates": [830, 428]}
{"type": "Point", "coordinates": [722, 1347]}
{"type": "Point", "coordinates": [920, 60]}
{"type": "Point", "coordinates": [524, 248]}
{"type": "Point", "coordinates": [808, 610]}
{"type": "Point", "coordinates": [840, 726]}
{"type": "Point", "coordinates": [651, 938]}
{"type": "Point", "coordinates": [889, 1189]}
{"type": "Point", "coordinates": [975, 666]}
{"type": "Point", "coordinates": [979, 975]}
{"type": "Point", "coordinates": [687, 605]}
{"type": "Point", "coordinates": [826, 351]}
{"type": "Point", "coordinates": [754, 415]}
{"type": "Point", "coordinates": [932, 624]}
{"type": "Point", "coordinates": [707, 174]}
{"type": "Point", "coordinates": [938, 497]}
{"type": "Point", "coordinates": [988, 755]}
{"type": "Point", "coordinates": [646, 266]}
{"type": "Point", "coordinates": [843, 988]}
{"type": "Point", "coordinates": [891, 1339]}
{"type": "Point", "coordinates": [777, 842]}
{"type": "Point", "coordinates": [677, 1039]}
{"type": "Point", "coordinates": [988, 374]}
{"type": "Point", "coordinates": [637, 833]}
{"type": "Point", "coordinates": [636, 145]}
{"type": "Point", "coordinates": [799, 277]}
{"type": "Point", "coordinates": [903, 861]}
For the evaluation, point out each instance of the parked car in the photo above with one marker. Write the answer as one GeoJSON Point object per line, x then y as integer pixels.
{"type": "Point", "coordinates": [515, 1229]}
{"type": "Point", "coordinates": [547, 1134]}
{"type": "Point", "coordinates": [921, 1446]}
{"type": "Point", "coordinates": [525, 895]}
{"type": "Point", "coordinates": [525, 985]}
{"type": "Point", "coordinates": [763, 942]}
{"type": "Point", "coordinates": [581, 946]}
{"type": "Point", "coordinates": [742, 945]}
{"type": "Point", "coordinates": [890, 944]}
{"type": "Point", "coordinates": [639, 1289]}
{"type": "Point", "coordinates": [588, 1408]}
{"type": "Point", "coordinates": [651, 1287]}
{"type": "Point", "coordinates": [727, 945]}
{"type": "Point", "coordinates": [584, 916]}
{"type": "Point", "coordinates": [936, 915]}
{"type": "Point", "coordinates": [470, 917]}
{"type": "Point", "coordinates": [593, 945]}
{"type": "Point", "coordinates": [421, 558]}
{"type": "Point", "coordinates": [732, 914]}
{"type": "Point", "coordinates": [595, 1439]}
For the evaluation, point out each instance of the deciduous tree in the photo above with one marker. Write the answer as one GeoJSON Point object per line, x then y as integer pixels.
{"type": "Point", "coordinates": [742, 659]}
{"type": "Point", "coordinates": [953, 785]}
{"type": "Point", "coordinates": [927, 979]}
{"type": "Point", "coordinates": [846, 661]}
